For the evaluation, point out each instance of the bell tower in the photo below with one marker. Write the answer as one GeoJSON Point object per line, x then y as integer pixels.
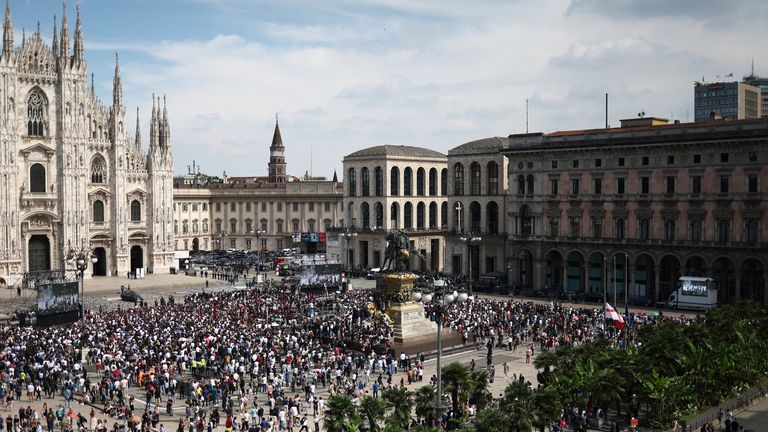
{"type": "Point", "coordinates": [277, 157]}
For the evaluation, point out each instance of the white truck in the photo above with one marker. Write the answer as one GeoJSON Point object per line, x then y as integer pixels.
{"type": "Point", "coordinates": [694, 293]}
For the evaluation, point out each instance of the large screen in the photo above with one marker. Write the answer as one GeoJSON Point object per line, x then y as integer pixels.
{"type": "Point", "coordinates": [695, 287]}
{"type": "Point", "coordinates": [57, 298]}
{"type": "Point", "coordinates": [324, 274]}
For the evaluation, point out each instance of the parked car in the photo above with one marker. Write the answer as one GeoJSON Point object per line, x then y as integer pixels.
{"type": "Point", "coordinates": [127, 294]}
{"type": "Point", "coordinates": [372, 273]}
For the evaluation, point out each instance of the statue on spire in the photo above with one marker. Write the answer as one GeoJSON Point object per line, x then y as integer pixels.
{"type": "Point", "coordinates": [7, 31]}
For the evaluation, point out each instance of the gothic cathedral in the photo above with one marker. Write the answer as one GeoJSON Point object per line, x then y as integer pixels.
{"type": "Point", "coordinates": [73, 179]}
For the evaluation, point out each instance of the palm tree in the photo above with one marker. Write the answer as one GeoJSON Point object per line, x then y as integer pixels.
{"type": "Point", "coordinates": [479, 394]}
{"type": "Point", "coordinates": [425, 405]}
{"type": "Point", "coordinates": [373, 409]}
{"type": "Point", "coordinates": [399, 401]}
{"type": "Point", "coordinates": [527, 407]}
{"type": "Point", "coordinates": [341, 415]}
{"type": "Point", "coordinates": [456, 379]}
{"type": "Point", "coordinates": [492, 420]}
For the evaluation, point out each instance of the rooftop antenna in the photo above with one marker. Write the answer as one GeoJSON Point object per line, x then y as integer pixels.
{"type": "Point", "coordinates": [606, 110]}
{"type": "Point", "coordinates": [753, 66]}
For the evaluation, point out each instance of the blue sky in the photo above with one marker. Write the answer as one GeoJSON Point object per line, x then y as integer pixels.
{"type": "Point", "coordinates": [348, 74]}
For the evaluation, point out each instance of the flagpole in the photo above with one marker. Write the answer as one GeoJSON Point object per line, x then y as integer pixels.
{"type": "Point", "coordinates": [614, 279]}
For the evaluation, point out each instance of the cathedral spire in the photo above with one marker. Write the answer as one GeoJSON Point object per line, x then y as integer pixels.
{"type": "Point", "coordinates": [117, 84]}
{"type": "Point", "coordinates": [138, 131]}
{"type": "Point", "coordinates": [93, 84]}
{"type": "Point", "coordinates": [55, 42]}
{"type": "Point", "coordinates": [7, 31]}
{"type": "Point", "coordinates": [64, 54]}
{"type": "Point", "coordinates": [166, 128]}
{"type": "Point", "coordinates": [79, 49]}
{"type": "Point", "coordinates": [153, 125]}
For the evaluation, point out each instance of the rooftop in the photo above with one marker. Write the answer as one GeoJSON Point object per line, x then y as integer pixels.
{"type": "Point", "coordinates": [395, 150]}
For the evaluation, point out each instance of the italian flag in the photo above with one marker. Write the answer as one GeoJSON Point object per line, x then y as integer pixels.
{"type": "Point", "coordinates": [611, 314]}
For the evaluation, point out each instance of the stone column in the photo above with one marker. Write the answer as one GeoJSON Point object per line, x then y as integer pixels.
{"type": "Point", "coordinates": [657, 281]}
{"type": "Point", "coordinates": [737, 286]}
{"type": "Point", "coordinates": [631, 272]}
{"type": "Point", "coordinates": [765, 288]}
{"type": "Point", "coordinates": [538, 274]}
{"type": "Point", "coordinates": [565, 276]}
{"type": "Point", "coordinates": [585, 276]}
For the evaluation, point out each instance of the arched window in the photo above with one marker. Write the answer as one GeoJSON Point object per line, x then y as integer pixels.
{"type": "Point", "coordinates": [526, 221]}
{"type": "Point", "coordinates": [458, 179]}
{"type": "Point", "coordinates": [645, 229]}
{"type": "Point", "coordinates": [420, 216]}
{"type": "Point", "coordinates": [394, 216]}
{"type": "Point", "coordinates": [474, 178]}
{"type": "Point", "coordinates": [521, 184]}
{"type": "Point", "coordinates": [378, 176]}
{"type": "Point", "coordinates": [669, 229]}
{"type": "Point", "coordinates": [408, 181]}
{"type": "Point", "coordinates": [432, 182]}
{"type": "Point", "coordinates": [597, 227]}
{"type": "Point", "coordinates": [37, 178]}
{"type": "Point", "coordinates": [98, 211]}
{"type": "Point", "coordinates": [366, 180]}
{"type": "Point", "coordinates": [444, 215]}
{"type": "Point", "coordinates": [621, 230]}
{"type": "Point", "coordinates": [474, 214]}
{"type": "Point", "coordinates": [529, 184]}
{"type": "Point", "coordinates": [493, 178]}
{"type": "Point", "coordinates": [432, 215]}
{"type": "Point", "coordinates": [98, 170]}
{"type": "Point", "coordinates": [492, 213]}
{"type": "Point", "coordinates": [723, 230]}
{"type": "Point", "coordinates": [379, 215]}
{"type": "Point", "coordinates": [394, 181]}
{"type": "Point", "coordinates": [135, 211]}
{"type": "Point", "coordinates": [444, 182]}
{"type": "Point", "coordinates": [420, 174]}
{"type": "Point", "coordinates": [185, 226]}
{"type": "Point", "coordinates": [696, 234]}
{"type": "Point", "coordinates": [352, 182]}
{"type": "Point", "coordinates": [752, 230]}
{"type": "Point", "coordinates": [36, 114]}
{"type": "Point", "coordinates": [365, 212]}
{"type": "Point", "coordinates": [408, 216]}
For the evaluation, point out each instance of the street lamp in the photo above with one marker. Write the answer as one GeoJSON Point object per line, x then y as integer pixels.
{"type": "Point", "coordinates": [348, 235]}
{"type": "Point", "coordinates": [80, 258]}
{"type": "Point", "coordinates": [440, 297]}
{"type": "Point", "coordinates": [470, 239]}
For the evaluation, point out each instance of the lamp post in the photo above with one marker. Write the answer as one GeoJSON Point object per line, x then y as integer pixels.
{"type": "Point", "coordinates": [440, 297]}
{"type": "Point", "coordinates": [470, 239]}
{"type": "Point", "coordinates": [348, 235]}
{"type": "Point", "coordinates": [80, 258]}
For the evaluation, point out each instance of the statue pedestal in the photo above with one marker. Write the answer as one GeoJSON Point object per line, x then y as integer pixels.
{"type": "Point", "coordinates": [408, 320]}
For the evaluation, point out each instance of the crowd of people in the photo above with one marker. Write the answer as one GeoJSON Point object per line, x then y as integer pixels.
{"type": "Point", "coordinates": [252, 359]}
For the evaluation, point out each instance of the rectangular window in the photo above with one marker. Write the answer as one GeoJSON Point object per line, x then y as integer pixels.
{"type": "Point", "coordinates": [295, 207]}
{"type": "Point", "coordinates": [231, 206]}
{"type": "Point", "coordinates": [233, 244]}
{"type": "Point", "coordinates": [218, 207]}
{"type": "Point", "coordinates": [248, 226]}
{"type": "Point", "coordinates": [311, 206]}
{"type": "Point", "coordinates": [205, 207]}
{"type": "Point", "coordinates": [669, 184]}
{"type": "Point", "coordinates": [598, 163]}
{"type": "Point", "coordinates": [597, 227]}
{"type": "Point", "coordinates": [554, 186]}
{"type": "Point", "coordinates": [327, 207]}
{"type": "Point", "coordinates": [621, 185]}
{"type": "Point", "coordinates": [752, 186]}
{"type": "Point", "coordinates": [248, 244]}
{"type": "Point", "coordinates": [697, 158]}
{"type": "Point", "coordinates": [575, 163]}
{"type": "Point", "coordinates": [645, 185]}
{"type": "Point", "coordinates": [575, 227]}
{"type": "Point", "coordinates": [264, 226]}
{"type": "Point", "coordinates": [575, 186]}
{"type": "Point", "coordinates": [621, 162]}
{"type": "Point", "coordinates": [724, 184]}
{"type": "Point", "coordinates": [646, 160]}
{"type": "Point", "coordinates": [597, 186]}
{"type": "Point", "coordinates": [670, 159]}
{"type": "Point", "coordinates": [279, 226]}
{"type": "Point", "coordinates": [554, 164]}
{"type": "Point", "coordinates": [723, 157]}
{"type": "Point", "coordinates": [696, 185]}
{"type": "Point", "coordinates": [554, 227]}
{"type": "Point", "coordinates": [279, 206]}
{"type": "Point", "coordinates": [248, 208]}
{"type": "Point", "coordinates": [295, 227]}
{"type": "Point", "coordinates": [263, 206]}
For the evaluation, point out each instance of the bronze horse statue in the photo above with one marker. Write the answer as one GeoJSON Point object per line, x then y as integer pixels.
{"type": "Point", "coordinates": [398, 252]}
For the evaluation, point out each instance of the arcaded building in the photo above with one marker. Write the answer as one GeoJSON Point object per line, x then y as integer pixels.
{"type": "Point", "coordinates": [637, 207]}
{"type": "Point", "coordinates": [393, 187]}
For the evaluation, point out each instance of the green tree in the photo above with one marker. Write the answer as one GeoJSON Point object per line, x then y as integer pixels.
{"type": "Point", "coordinates": [492, 420]}
{"type": "Point", "coordinates": [479, 395]}
{"type": "Point", "coordinates": [399, 401]}
{"type": "Point", "coordinates": [373, 409]}
{"type": "Point", "coordinates": [425, 405]}
{"type": "Point", "coordinates": [341, 415]}
{"type": "Point", "coordinates": [456, 380]}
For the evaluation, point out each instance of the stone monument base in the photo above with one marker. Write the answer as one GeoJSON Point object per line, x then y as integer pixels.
{"type": "Point", "coordinates": [408, 322]}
